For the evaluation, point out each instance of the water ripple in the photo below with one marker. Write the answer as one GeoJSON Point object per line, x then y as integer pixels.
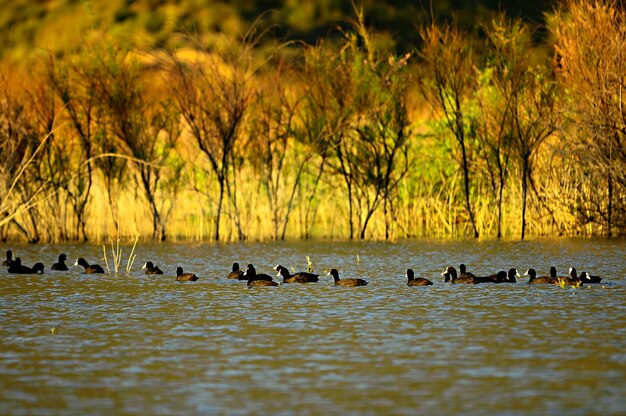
{"type": "Point", "coordinates": [76, 344]}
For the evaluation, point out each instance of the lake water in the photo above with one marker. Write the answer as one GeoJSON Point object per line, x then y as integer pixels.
{"type": "Point", "coordinates": [77, 344]}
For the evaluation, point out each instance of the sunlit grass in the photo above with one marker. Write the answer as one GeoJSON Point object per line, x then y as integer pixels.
{"type": "Point", "coordinates": [426, 213]}
{"type": "Point", "coordinates": [116, 257]}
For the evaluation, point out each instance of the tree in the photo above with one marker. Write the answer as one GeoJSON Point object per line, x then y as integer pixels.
{"type": "Point", "coordinates": [21, 187]}
{"type": "Point", "coordinates": [495, 140]}
{"type": "Point", "coordinates": [590, 63]}
{"type": "Point", "coordinates": [75, 88]}
{"type": "Point", "coordinates": [328, 113]}
{"type": "Point", "coordinates": [528, 90]}
{"type": "Point", "coordinates": [52, 170]}
{"type": "Point", "coordinates": [358, 100]}
{"type": "Point", "coordinates": [273, 153]}
{"type": "Point", "coordinates": [313, 129]}
{"type": "Point", "coordinates": [449, 80]}
{"type": "Point", "coordinates": [382, 129]}
{"type": "Point", "coordinates": [213, 94]}
{"type": "Point", "coordinates": [146, 129]}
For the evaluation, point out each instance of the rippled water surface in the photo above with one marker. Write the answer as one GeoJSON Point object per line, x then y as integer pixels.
{"type": "Point", "coordinates": [78, 344]}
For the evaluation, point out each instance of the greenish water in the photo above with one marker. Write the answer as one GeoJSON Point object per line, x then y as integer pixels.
{"type": "Point", "coordinates": [79, 344]}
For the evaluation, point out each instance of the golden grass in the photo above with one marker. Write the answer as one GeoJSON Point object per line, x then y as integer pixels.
{"type": "Point", "coordinates": [116, 255]}
{"type": "Point", "coordinates": [438, 216]}
{"type": "Point", "coordinates": [426, 208]}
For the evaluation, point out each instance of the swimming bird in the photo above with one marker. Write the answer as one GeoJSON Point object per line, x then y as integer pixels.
{"type": "Point", "coordinates": [584, 277]}
{"type": "Point", "coordinates": [89, 269]}
{"type": "Point", "coordinates": [499, 277]}
{"type": "Point", "coordinates": [251, 271]}
{"type": "Point", "coordinates": [587, 278]}
{"type": "Point", "coordinates": [571, 280]}
{"type": "Point", "coordinates": [554, 274]}
{"type": "Point", "coordinates": [301, 277]}
{"type": "Point", "coordinates": [348, 282]}
{"type": "Point", "coordinates": [9, 261]}
{"type": "Point", "coordinates": [185, 277]}
{"type": "Point", "coordinates": [512, 275]}
{"type": "Point", "coordinates": [416, 281]}
{"type": "Point", "coordinates": [564, 280]}
{"type": "Point", "coordinates": [534, 280]}
{"type": "Point", "coordinates": [259, 283]}
{"type": "Point", "coordinates": [463, 271]}
{"type": "Point", "coordinates": [18, 268]}
{"type": "Point", "coordinates": [61, 264]}
{"type": "Point", "coordinates": [449, 274]}
{"type": "Point", "coordinates": [151, 268]}
{"type": "Point", "coordinates": [253, 278]}
{"type": "Point", "coordinates": [237, 273]}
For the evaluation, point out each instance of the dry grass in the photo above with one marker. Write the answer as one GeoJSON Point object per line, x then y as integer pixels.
{"type": "Point", "coordinates": [426, 208]}
{"type": "Point", "coordinates": [116, 257]}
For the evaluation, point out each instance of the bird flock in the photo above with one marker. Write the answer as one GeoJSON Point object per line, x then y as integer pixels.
{"type": "Point", "coordinates": [253, 278]}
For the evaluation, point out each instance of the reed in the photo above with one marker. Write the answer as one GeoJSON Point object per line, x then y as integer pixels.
{"type": "Point", "coordinates": [105, 259]}
{"type": "Point", "coordinates": [116, 257]}
{"type": "Point", "coordinates": [426, 208]}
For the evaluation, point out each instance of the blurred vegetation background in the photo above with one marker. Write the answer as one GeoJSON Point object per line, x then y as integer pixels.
{"type": "Point", "coordinates": [269, 119]}
{"type": "Point", "coordinates": [59, 25]}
